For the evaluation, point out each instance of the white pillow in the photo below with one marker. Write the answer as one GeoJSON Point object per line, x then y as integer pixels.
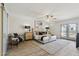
{"type": "Point", "coordinates": [53, 37]}
{"type": "Point", "coordinates": [45, 38]}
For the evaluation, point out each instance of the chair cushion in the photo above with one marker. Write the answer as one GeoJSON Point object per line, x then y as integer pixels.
{"type": "Point", "coordinates": [15, 39]}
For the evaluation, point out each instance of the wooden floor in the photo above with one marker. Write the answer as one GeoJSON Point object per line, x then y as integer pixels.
{"type": "Point", "coordinates": [33, 48]}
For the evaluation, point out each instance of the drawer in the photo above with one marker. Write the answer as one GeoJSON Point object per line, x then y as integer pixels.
{"type": "Point", "coordinates": [28, 35]}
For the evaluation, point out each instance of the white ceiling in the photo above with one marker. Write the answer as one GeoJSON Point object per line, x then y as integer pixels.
{"type": "Point", "coordinates": [59, 10]}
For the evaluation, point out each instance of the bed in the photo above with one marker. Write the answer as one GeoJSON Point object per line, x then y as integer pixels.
{"type": "Point", "coordinates": [44, 37]}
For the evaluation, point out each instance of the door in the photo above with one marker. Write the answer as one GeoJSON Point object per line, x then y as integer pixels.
{"type": "Point", "coordinates": [0, 29]}
{"type": "Point", "coordinates": [63, 31]}
{"type": "Point", "coordinates": [5, 32]}
{"type": "Point", "coordinates": [69, 31]}
{"type": "Point", "coordinates": [72, 31]}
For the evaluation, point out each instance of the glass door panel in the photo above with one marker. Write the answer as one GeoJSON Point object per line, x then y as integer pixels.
{"type": "Point", "coordinates": [72, 30]}
{"type": "Point", "coordinates": [68, 31]}
{"type": "Point", "coordinates": [63, 31]}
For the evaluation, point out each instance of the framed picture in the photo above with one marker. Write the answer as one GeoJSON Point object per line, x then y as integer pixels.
{"type": "Point", "coordinates": [38, 23]}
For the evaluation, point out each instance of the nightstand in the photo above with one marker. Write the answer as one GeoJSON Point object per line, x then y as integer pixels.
{"type": "Point", "coordinates": [28, 35]}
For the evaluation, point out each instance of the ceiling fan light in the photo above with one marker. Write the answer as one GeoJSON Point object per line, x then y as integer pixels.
{"type": "Point", "coordinates": [54, 18]}
{"type": "Point", "coordinates": [51, 16]}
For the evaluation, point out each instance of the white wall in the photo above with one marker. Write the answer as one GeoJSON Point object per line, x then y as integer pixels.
{"type": "Point", "coordinates": [16, 23]}
{"type": "Point", "coordinates": [57, 25]}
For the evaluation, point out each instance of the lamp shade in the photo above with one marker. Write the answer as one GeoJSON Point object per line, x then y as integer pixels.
{"type": "Point", "coordinates": [27, 27]}
{"type": "Point", "coordinates": [47, 27]}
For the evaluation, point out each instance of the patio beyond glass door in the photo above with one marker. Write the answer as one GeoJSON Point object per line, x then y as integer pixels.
{"type": "Point", "coordinates": [68, 31]}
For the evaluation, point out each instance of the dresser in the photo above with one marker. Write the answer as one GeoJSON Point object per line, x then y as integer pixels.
{"type": "Point", "coordinates": [28, 35]}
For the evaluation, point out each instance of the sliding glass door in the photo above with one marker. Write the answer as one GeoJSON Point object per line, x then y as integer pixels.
{"type": "Point", "coordinates": [64, 31]}
{"type": "Point", "coordinates": [72, 30]}
{"type": "Point", "coordinates": [68, 31]}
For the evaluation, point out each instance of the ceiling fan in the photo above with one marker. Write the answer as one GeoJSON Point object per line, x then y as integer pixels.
{"type": "Point", "coordinates": [50, 17]}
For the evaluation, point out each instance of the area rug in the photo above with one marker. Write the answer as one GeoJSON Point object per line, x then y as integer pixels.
{"type": "Point", "coordinates": [54, 46]}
